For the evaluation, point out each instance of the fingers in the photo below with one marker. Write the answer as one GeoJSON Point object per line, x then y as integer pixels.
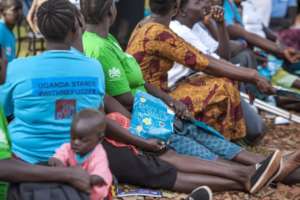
{"type": "Point", "coordinates": [217, 13]}
{"type": "Point", "coordinates": [265, 87]}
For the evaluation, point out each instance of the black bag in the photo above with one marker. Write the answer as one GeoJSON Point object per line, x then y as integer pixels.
{"type": "Point", "coordinates": [44, 191]}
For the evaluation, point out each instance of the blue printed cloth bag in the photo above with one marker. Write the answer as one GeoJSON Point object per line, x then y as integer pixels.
{"type": "Point", "coordinates": [151, 117]}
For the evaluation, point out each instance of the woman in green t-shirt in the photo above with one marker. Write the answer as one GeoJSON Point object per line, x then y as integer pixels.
{"type": "Point", "coordinates": [124, 77]}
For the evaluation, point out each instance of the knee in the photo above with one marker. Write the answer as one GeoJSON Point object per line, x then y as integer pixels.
{"type": "Point", "coordinates": [255, 132]}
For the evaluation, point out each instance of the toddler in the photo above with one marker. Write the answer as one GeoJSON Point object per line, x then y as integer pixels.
{"type": "Point", "coordinates": [87, 152]}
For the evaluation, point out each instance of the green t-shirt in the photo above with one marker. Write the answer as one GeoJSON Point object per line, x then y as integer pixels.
{"type": "Point", "coordinates": [5, 145]}
{"type": "Point", "coordinates": [122, 72]}
{"type": "Point", "coordinates": [5, 150]}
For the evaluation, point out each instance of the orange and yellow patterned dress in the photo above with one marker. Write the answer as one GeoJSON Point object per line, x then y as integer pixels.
{"type": "Point", "coordinates": [215, 101]}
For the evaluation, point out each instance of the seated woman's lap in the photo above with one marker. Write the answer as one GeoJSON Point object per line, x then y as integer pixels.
{"type": "Point", "coordinates": [215, 101]}
{"type": "Point", "coordinates": [144, 169]}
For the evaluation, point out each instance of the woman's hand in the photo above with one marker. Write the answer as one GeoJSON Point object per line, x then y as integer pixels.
{"type": "Point", "coordinates": [54, 162]}
{"type": "Point", "coordinates": [180, 109]}
{"type": "Point", "coordinates": [264, 86]}
{"type": "Point", "coordinates": [217, 13]}
{"type": "Point", "coordinates": [97, 181]}
{"type": "Point", "coordinates": [154, 145]}
{"type": "Point", "coordinates": [79, 179]}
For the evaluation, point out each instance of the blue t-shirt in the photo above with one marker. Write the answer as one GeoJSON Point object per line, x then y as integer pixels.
{"type": "Point", "coordinates": [7, 41]}
{"type": "Point", "coordinates": [232, 14]}
{"type": "Point", "coordinates": [43, 93]}
{"type": "Point", "coordinates": [280, 7]}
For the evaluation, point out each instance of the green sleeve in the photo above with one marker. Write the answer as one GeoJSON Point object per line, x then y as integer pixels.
{"type": "Point", "coordinates": [5, 145]}
{"type": "Point", "coordinates": [115, 77]}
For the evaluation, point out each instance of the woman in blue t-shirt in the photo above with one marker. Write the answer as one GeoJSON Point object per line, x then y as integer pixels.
{"type": "Point", "coordinates": [11, 14]}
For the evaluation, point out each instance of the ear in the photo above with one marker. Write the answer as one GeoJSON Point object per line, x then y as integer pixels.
{"type": "Point", "coordinates": [111, 10]}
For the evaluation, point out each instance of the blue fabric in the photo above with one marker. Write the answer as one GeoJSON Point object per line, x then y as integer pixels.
{"type": "Point", "coordinates": [196, 142]}
{"type": "Point", "coordinates": [207, 129]}
{"type": "Point", "coordinates": [43, 93]}
{"type": "Point", "coordinates": [280, 7]}
{"type": "Point", "coordinates": [81, 159]}
{"type": "Point", "coordinates": [151, 117]}
{"type": "Point", "coordinates": [231, 14]}
{"type": "Point", "coordinates": [7, 41]}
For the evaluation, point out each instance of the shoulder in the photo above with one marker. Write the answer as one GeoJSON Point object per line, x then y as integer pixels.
{"type": "Point", "coordinates": [99, 150]}
{"type": "Point", "coordinates": [23, 62]}
{"type": "Point", "coordinates": [64, 148]}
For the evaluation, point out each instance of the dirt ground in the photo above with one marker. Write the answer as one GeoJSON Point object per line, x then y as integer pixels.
{"type": "Point", "coordinates": [284, 137]}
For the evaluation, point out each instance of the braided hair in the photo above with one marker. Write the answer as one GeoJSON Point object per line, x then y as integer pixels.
{"type": "Point", "coordinates": [55, 18]}
{"type": "Point", "coordinates": [161, 7]}
{"type": "Point", "coordinates": [94, 10]}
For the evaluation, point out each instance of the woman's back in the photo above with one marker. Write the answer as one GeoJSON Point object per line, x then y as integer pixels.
{"type": "Point", "coordinates": [43, 93]}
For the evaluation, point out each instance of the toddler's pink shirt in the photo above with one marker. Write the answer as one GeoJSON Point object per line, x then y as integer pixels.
{"type": "Point", "coordinates": [95, 164]}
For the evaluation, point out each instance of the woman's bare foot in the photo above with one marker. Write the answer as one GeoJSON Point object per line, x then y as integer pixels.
{"type": "Point", "coordinates": [291, 163]}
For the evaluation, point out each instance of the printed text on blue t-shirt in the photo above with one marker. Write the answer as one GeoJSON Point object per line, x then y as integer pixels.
{"type": "Point", "coordinates": [65, 86]}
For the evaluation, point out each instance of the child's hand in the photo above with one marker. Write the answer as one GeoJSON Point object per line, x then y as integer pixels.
{"type": "Point", "coordinates": [54, 162]}
{"type": "Point", "coordinates": [217, 13]}
{"type": "Point", "coordinates": [97, 181]}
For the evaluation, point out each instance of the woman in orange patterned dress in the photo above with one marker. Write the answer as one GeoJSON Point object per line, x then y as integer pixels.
{"type": "Point", "coordinates": [213, 99]}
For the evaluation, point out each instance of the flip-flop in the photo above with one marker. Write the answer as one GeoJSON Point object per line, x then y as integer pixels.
{"type": "Point", "coordinates": [273, 179]}
{"type": "Point", "coordinates": [201, 193]}
{"type": "Point", "coordinates": [265, 172]}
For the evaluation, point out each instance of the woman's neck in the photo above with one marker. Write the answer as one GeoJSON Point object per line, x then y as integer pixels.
{"type": "Point", "coordinates": [165, 20]}
{"type": "Point", "coordinates": [9, 26]}
{"type": "Point", "coordinates": [102, 29]}
{"type": "Point", "coordinates": [58, 46]}
{"type": "Point", "coordinates": [186, 21]}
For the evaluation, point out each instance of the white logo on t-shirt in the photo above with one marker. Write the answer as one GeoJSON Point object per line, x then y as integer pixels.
{"type": "Point", "coordinates": [8, 51]}
{"type": "Point", "coordinates": [3, 139]}
{"type": "Point", "coordinates": [114, 73]}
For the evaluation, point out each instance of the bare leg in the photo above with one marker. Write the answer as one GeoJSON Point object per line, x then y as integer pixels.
{"type": "Point", "coordinates": [293, 178]}
{"type": "Point", "coordinates": [188, 164]}
{"type": "Point", "coordinates": [248, 158]}
{"type": "Point", "coordinates": [290, 164]}
{"type": "Point", "coordinates": [296, 84]}
{"type": "Point", "coordinates": [186, 182]}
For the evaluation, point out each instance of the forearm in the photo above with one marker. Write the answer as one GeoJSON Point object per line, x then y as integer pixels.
{"type": "Point", "coordinates": [224, 47]}
{"type": "Point", "coordinates": [270, 34]}
{"type": "Point", "coordinates": [222, 68]}
{"type": "Point", "coordinates": [116, 132]}
{"type": "Point", "coordinates": [237, 31]}
{"type": "Point", "coordinates": [13, 170]}
{"type": "Point", "coordinates": [3, 66]}
{"type": "Point", "coordinates": [2, 72]}
{"type": "Point", "coordinates": [112, 105]}
{"type": "Point", "coordinates": [212, 27]}
{"type": "Point", "coordinates": [158, 93]}
{"type": "Point", "coordinates": [282, 23]}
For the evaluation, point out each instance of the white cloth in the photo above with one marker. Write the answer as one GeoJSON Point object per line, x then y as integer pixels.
{"type": "Point", "coordinates": [76, 3]}
{"type": "Point", "coordinates": [257, 13]}
{"type": "Point", "coordinates": [197, 37]}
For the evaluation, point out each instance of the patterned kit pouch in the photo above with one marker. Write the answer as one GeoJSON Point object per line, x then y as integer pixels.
{"type": "Point", "coordinates": [151, 118]}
